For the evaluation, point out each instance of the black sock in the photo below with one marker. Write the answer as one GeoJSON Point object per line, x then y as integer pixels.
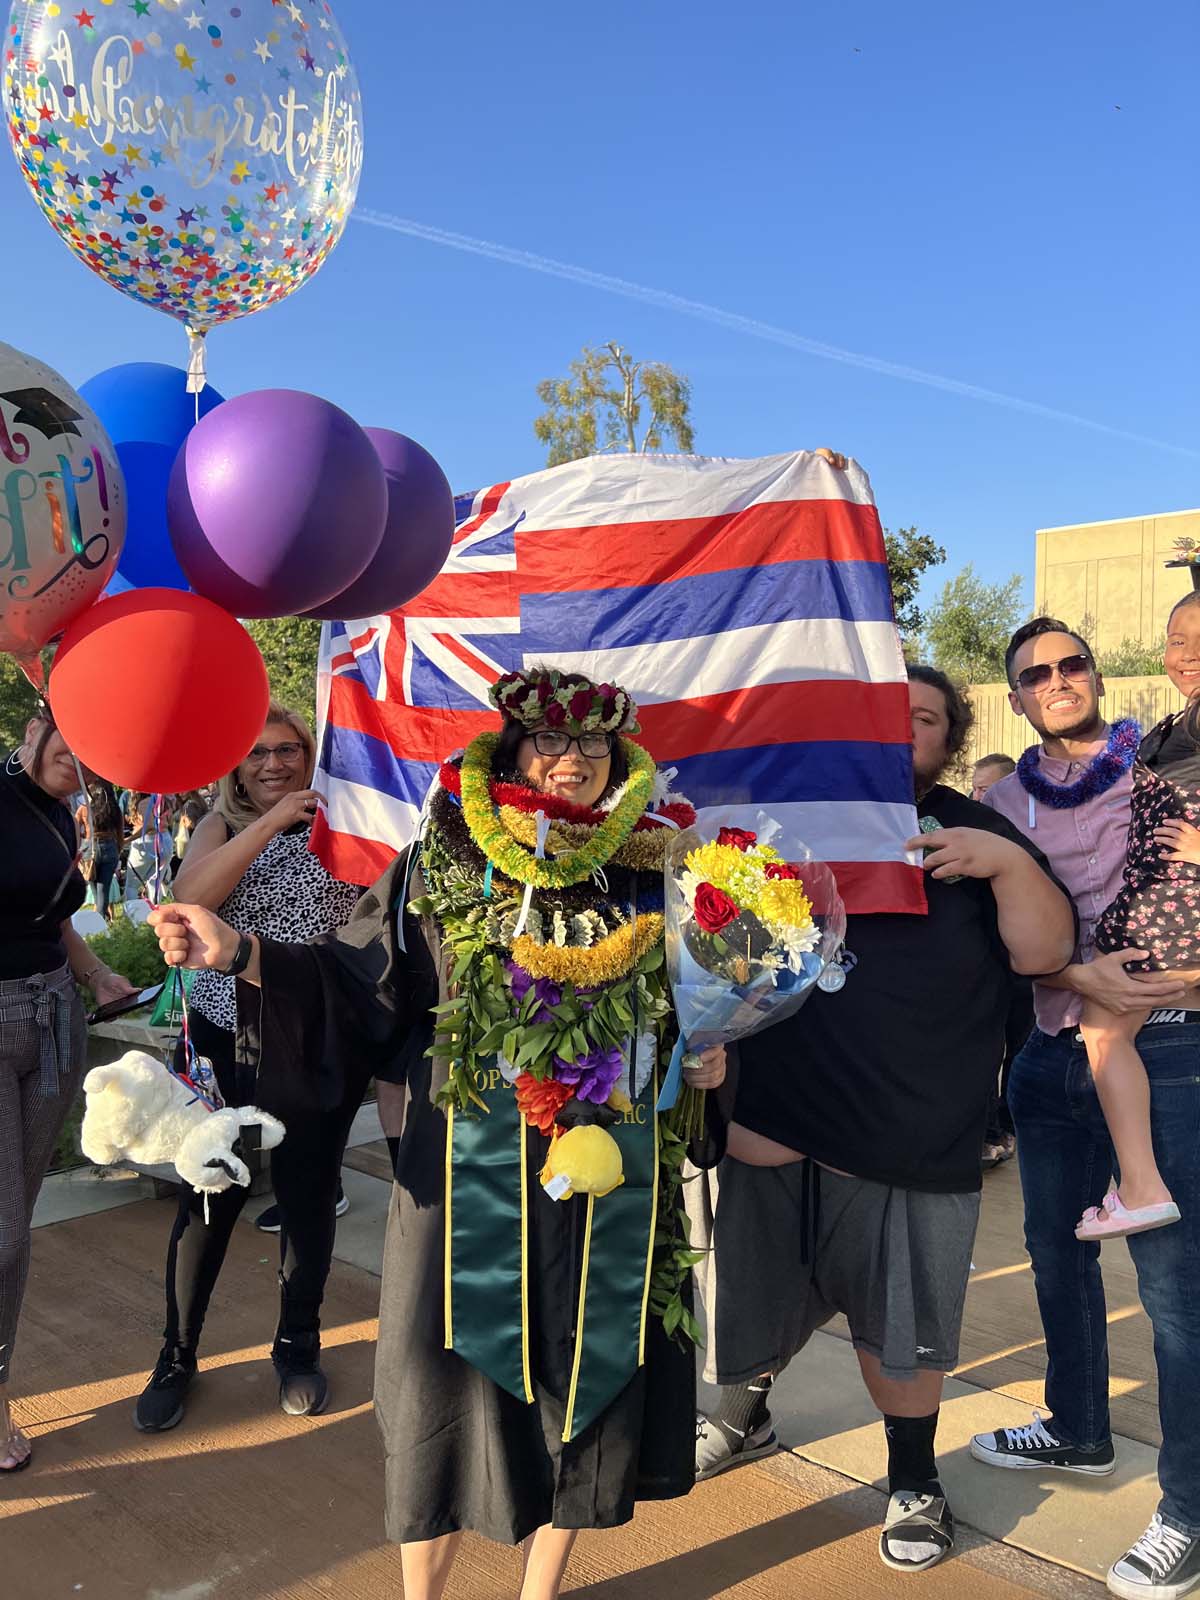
{"type": "Point", "coordinates": [393, 1144]}
{"type": "Point", "coordinates": [910, 1453]}
{"type": "Point", "coordinates": [744, 1406]}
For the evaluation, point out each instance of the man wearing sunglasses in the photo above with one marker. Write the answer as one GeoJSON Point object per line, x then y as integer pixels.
{"type": "Point", "coordinates": [1071, 796]}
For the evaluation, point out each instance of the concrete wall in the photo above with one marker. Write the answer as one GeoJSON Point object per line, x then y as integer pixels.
{"type": "Point", "coordinates": [1112, 573]}
{"type": "Point", "coordinates": [998, 729]}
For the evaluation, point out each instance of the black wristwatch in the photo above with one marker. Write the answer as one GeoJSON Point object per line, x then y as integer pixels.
{"type": "Point", "coordinates": [241, 960]}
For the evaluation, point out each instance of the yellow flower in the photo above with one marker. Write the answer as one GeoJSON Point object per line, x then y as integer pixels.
{"type": "Point", "coordinates": [783, 901]}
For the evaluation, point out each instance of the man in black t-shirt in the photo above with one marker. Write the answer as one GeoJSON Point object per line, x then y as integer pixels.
{"type": "Point", "coordinates": [853, 1176]}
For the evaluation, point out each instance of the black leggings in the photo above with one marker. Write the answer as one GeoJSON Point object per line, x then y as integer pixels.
{"type": "Point", "coordinates": [305, 1171]}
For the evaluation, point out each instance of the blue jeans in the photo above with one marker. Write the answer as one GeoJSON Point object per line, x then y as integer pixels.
{"type": "Point", "coordinates": [1066, 1161]}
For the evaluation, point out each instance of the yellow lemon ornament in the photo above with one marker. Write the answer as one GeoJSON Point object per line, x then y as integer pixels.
{"type": "Point", "coordinates": [589, 1158]}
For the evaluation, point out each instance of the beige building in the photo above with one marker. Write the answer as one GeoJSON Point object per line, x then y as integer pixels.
{"type": "Point", "coordinates": [1110, 577]}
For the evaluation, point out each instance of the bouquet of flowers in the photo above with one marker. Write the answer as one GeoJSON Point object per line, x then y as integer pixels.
{"type": "Point", "coordinates": [752, 921]}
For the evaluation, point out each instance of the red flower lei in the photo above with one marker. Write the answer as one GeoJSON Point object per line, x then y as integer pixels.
{"type": "Point", "coordinates": [560, 810]}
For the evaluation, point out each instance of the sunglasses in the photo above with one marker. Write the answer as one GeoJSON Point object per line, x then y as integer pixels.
{"type": "Point", "coordinates": [1072, 668]}
{"type": "Point", "coordinates": [595, 746]}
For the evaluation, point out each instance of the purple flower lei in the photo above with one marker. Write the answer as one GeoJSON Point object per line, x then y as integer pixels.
{"type": "Point", "coordinates": [1101, 772]}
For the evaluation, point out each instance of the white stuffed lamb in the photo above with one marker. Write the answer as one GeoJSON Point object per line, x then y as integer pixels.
{"type": "Point", "coordinates": [137, 1111]}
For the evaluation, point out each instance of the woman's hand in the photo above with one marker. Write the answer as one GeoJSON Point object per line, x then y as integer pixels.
{"type": "Point", "coordinates": [1179, 841]}
{"type": "Point", "coordinates": [298, 806]}
{"type": "Point", "coordinates": [108, 986]}
{"type": "Point", "coordinates": [710, 1074]}
{"type": "Point", "coordinates": [193, 936]}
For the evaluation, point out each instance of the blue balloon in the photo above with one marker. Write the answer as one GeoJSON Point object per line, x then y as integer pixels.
{"type": "Point", "coordinates": [147, 413]}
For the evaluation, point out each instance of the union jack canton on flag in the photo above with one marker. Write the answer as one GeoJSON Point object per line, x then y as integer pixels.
{"type": "Point", "coordinates": [744, 604]}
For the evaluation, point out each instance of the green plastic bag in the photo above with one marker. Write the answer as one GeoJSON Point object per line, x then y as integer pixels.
{"type": "Point", "coordinates": [168, 1010]}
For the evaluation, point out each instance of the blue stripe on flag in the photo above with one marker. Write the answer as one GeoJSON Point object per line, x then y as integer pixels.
{"type": "Point", "coordinates": [359, 758]}
{"type": "Point", "coordinates": [743, 597]}
{"type": "Point", "coordinates": [821, 770]}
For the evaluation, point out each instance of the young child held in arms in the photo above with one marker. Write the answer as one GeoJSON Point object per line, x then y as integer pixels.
{"type": "Point", "coordinates": [1157, 910]}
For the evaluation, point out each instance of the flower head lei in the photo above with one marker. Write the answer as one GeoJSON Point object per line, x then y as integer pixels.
{"type": "Point", "coordinates": [566, 700]}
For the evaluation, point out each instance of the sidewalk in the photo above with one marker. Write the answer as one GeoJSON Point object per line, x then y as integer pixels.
{"type": "Point", "coordinates": [195, 1514]}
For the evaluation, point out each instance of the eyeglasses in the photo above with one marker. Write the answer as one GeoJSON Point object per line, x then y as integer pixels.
{"type": "Point", "coordinates": [289, 752]}
{"type": "Point", "coordinates": [1071, 668]}
{"type": "Point", "coordinates": [595, 746]}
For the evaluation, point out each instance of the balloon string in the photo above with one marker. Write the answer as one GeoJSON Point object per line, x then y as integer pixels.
{"type": "Point", "coordinates": [156, 881]}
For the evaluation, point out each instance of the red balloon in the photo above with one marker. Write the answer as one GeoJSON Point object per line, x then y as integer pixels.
{"type": "Point", "coordinates": [159, 690]}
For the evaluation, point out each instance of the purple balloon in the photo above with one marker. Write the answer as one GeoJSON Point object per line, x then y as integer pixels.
{"type": "Point", "coordinates": [277, 501]}
{"type": "Point", "coordinates": [416, 538]}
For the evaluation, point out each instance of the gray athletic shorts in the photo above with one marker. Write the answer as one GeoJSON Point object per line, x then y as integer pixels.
{"type": "Point", "coordinates": [794, 1245]}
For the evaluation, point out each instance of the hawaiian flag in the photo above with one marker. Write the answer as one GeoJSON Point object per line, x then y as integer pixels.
{"type": "Point", "coordinates": [744, 604]}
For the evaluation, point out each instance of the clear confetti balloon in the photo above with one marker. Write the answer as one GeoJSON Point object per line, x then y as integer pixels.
{"type": "Point", "coordinates": [201, 156]}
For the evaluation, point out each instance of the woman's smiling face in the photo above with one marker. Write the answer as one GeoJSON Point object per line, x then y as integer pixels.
{"type": "Point", "coordinates": [571, 775]}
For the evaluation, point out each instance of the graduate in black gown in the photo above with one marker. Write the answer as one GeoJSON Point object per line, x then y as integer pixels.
{"type": "Point", "coordinates": [534, 1390]}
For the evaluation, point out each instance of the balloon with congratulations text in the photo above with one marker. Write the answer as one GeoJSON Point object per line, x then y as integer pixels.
{"type": "Point", "coordinates": [62, 506]}
{"type": "Point", "coordinates": [159, 690]}
{"type": "Point", "coordinates": [277, 502]}
{"type": "Point", "coordinates": [202, 158]}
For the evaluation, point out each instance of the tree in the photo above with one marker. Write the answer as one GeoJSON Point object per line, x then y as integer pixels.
{"type": "Point", "coordinates": [18, 702]}
{"type": "Point", "coordinates": [968, 629]}
{"type": "Point", "coordinates": [289, 647]}
{"type": "Point", "coordinates": [909, 555]}
{"type": "Point", "coordinates": [600, 406]}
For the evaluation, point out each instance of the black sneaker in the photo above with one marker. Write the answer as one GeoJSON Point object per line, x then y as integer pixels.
{"type": "Point", "coordinates": [719, 1447]}
{"type": "Point", "coordinates": [1162, 1565]}
{"type": "Point", "coordinates": [269, 1221]}
{"type": "Point", "coordinates": [1036, 1445]}
{"type": "Point", "coordinates": [303, 1387]}
{"type": "Point", "coordinates": [161, 1403]}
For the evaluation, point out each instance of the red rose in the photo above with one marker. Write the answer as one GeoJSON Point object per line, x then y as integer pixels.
{"type": "Point", "coordinates": [544, 690]}
{"type": "Point", "coordinates": [713, 908]}
{"type": "Point", "coordinates": [739, 838]}
{"type": "Point", "coordinates": [783, 869]}
{"type": "Point", "coordinates": [554, 714]}
{"type": "Point", "coordinates": [581, 704]}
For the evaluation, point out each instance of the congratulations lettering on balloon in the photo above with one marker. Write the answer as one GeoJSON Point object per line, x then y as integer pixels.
{"type": "Point", "coordinates": [203, 160]}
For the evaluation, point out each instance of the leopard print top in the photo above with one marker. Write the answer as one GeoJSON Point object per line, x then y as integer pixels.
{"type": "Point", "coordinates": [285, 894]}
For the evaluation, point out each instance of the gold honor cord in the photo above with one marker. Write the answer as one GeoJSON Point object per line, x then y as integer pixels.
{"type": "Point", "coordinates": [569, 1421]}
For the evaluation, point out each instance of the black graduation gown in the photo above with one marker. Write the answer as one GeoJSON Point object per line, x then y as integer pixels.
{"type": "Point", "coordinates": [461, 1452]}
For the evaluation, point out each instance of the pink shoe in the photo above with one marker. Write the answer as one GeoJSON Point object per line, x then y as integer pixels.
{"type": "Point", "coordinates": [1112, 1220]}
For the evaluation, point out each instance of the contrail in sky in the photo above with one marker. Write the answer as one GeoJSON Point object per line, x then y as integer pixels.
{"type": "Point", "coordinates": [740, 324]}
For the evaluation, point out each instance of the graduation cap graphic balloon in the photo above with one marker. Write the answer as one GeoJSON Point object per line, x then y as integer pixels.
{"type": "Point", "coordinates": [202, 158]}
{"type": "Point", "coordinates": [62, 507]}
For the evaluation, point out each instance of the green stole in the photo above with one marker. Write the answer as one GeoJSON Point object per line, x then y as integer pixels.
{"type": "Point", "coordinates": [490, 1191]}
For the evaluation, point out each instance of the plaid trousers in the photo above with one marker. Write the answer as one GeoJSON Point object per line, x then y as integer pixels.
{"type": "Point", "coordinates": [43, 1053]}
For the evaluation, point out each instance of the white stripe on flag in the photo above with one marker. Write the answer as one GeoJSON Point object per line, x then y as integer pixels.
{"type": "Point", "coordinates": [366, 813]}
{"type": "Point", "coordinates": [835, 830]}
{"type": "Point", "coordinates": [618, 488]}
{"type": "Point", "coordinates": [815, 648]}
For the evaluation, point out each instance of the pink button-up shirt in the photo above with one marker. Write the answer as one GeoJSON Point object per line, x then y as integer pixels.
{"type": "Point", "coordinates": [1086, 848]}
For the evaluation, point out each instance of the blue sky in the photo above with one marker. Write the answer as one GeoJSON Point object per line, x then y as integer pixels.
{"type": "Point", "coordinates": [942, 186]}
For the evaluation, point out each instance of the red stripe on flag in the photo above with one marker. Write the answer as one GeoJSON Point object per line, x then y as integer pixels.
{"type": "Point", "coordinates": [872, 887]}
{"type": "Point", "coordinates": [469, 658]}
{"type": "Point", "coordinates": [349, 858]}
{"type": "Point", "coordinates": [828, 709]}
{"type": "Point", "coordinates": [823, 709]}
{"type": "Point", "coordinates": [491, 500]}
{"type": "Point", "coordinates": [626, 555]}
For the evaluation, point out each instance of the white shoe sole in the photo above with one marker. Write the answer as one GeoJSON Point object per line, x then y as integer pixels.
{"type": "Point", "coordinates": [1149, 1591]}
{"type": "Point", "coordinates": [1000, 1458]}
{"type": "Point", "coordinates": [751, 1453]}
